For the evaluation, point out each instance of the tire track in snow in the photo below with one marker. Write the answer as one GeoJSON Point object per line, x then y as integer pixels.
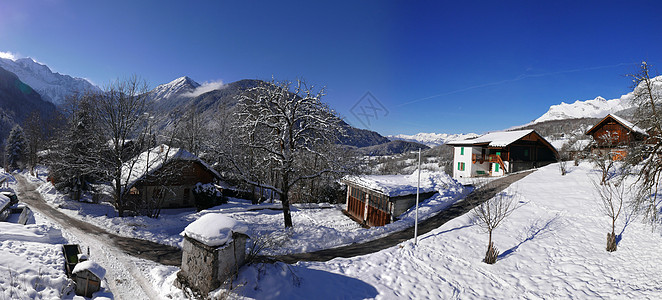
{"type": "Point", "coordinates": [123, 278]}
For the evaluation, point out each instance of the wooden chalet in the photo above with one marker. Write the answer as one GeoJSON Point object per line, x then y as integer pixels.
{"type": "Point", "coordinates": [614, 135]}
{"type": "Point", "coordinates": [377, 200]}
{"type": "Point", "coordinates": [498, 153]}
{"type": "Point", "coordinates": [166, 175]}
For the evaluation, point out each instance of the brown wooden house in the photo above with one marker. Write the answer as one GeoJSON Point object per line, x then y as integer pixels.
{"type": "Point", "coordinates": [377, 200]}
{"type": "Point", "coordinates": [167, 176]}
{"type": "Point", "coordinates": [614, 135]}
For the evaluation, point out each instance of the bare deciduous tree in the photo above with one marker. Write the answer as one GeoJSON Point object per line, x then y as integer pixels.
{"type": "Point", "coordinates": [648, 157]}
{"type": "Point", "coordinates": [603, 157]}
{"type": "Point", "coordinates": [612, 197]}
{"type": "Point", "coordinates": [122, 121]}
{"type": "Point", "coordinates": [281, 123]}
{"type": "Point", "coordinates": [489, 215]}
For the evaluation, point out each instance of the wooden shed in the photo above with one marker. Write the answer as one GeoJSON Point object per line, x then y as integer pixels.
{"type": "Point", "coordinates": [377, 200]}
{"type": "Point", "coordinates": [614, 135]}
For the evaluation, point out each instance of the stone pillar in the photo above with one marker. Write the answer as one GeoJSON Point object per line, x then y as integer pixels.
{"type": "Point", "coordinates": [205, 268]}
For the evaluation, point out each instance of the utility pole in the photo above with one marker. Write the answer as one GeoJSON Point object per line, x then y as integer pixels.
{"type": "Point", "coordinates": [418, 186]}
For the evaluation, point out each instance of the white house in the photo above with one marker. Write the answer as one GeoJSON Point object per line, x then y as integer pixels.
{"type": "Point", "coordinates": [498, 153]}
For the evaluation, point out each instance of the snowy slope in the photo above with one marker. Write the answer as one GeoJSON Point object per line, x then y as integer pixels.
{"type": "Point", "coordinates": [431, 139]}
{"type": "Point", "coordinates": [596, 108]}
{"type": "Point", "coordinates": [53, 87]}
{"type": "Point", "coordinates": [552, 247]}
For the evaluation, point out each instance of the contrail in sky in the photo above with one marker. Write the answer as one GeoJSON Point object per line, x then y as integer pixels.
{"type": "Point", "coordinates": [518, 78]}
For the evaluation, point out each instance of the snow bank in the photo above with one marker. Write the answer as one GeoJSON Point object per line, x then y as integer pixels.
{"type": "Point", "coordinates": [91, 266]}
{"type": "Point", "coordinates": [214, 229]}
{"type": "Point", "coordinates": [401, 185]}
{"type": "Point", "coordinates": [30, 233]}
{"type": "Point", "coordinates": [31, 262]}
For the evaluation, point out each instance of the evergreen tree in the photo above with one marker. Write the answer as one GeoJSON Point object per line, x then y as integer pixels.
{"type": "Point", "coordinates": [16, 148]}
{"type": "Point", "coordinates": [74, 158]}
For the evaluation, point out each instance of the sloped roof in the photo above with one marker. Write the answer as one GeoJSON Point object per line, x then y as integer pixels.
{"type": "Point", "coordinates": [495, 139]}
{"type": "Point", "coordinates": [153, 159]}
{"type": "Point", "coordinates": [91, 266]}
{"type": "Point", "coordinates": [402, 185]}
{"type": "Point", "coordinates": [627, 124]}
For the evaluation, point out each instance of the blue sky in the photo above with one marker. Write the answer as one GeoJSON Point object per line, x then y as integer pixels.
{"type": "Point", "coordinates": [429, 66]}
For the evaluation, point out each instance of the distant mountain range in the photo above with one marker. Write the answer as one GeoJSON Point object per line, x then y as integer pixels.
{"type": "Point", "coordinates": [211, 103]}
{"type": "Point", "coordinates": [17, 101]}
{"type": "Point", "coordinates": [53, 87]}
{"type": "Point", "coordinates": [431, 139]}
{"type": "Point", "coordinates": [595, 108]}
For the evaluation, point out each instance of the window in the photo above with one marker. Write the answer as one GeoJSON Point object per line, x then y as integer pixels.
{"type": "Point", "coordinates": [134, 191]}
{"type": "Point", "coordinates": [460, 166]}
{"type": "Point", "coordinates": [461, 150]}
{"type": "Point", "coordinates": [526, 152]}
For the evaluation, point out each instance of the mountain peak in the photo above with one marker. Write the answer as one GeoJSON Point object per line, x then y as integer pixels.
{"type": "Point", "coordinates": [175, 88]}
{"type": "Point", "coordinates": [53, 87]}
{"type": "Point", "coordinates": [185, 80]}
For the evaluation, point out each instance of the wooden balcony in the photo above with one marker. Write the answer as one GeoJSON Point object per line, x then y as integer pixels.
{"type": "Point", "coordinates": [492, 158]}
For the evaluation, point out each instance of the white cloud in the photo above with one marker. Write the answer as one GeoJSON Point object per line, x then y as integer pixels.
{"type": "Point", "coordinates": [206, 87]}
{"type": "Point", "coordinates": [8, 55]}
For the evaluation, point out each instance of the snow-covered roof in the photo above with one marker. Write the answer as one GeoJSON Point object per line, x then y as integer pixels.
{"type": "Point", "coordinates": [91, 266]}
{"type": "Point", "coordinates": [495, 139]}
{"type": "Point", "coordinates": [153, 159]}
{"type": "Point", "coordinates": [4, 201]}
{"type": "Point", "coordinates": [401, 185]}
{"type": "Point", "coordinates": [628, 124]}
{"type": "Point", "coordinates": [214, 229]}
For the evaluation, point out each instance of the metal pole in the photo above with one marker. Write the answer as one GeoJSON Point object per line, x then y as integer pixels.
{"type": "Point", "coordinates": [418, 186]}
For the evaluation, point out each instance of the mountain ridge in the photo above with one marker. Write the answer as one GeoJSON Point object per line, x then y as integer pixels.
{"type": "Point", "coordinates": [52, 86]}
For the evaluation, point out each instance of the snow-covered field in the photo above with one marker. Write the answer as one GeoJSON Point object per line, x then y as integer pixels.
{"type": "Point", "coordinates": [316, 226]}
{"type": "Point", "coordinates": [552, 247]}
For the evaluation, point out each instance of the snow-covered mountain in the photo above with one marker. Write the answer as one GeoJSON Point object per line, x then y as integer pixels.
{"type": "Point", "coordinates": [53, 87]}
{"type": "Point", "coordinates": [431, 139]}
{"type": "Point", "coordinates": [176, 88]}
{"type": "Point", "coordinates": [596, 108]}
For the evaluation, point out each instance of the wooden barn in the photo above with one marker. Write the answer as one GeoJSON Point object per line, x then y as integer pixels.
{"type": "Point", "coordinates": [614, 135]}
{"type": "Point", "coordinates": [499, 153]}
{"type": "Point", "coordinates": [166, 174]}
{"type": "Point", "coordinates": [377, 200]}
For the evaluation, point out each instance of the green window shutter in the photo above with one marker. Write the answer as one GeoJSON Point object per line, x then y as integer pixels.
{"type": "Point", "coordinates": [461, 150]}
{"type": "Point", "coordinates": [498, 153]}
{"type": "Point", "coordinates": [459, 166]}
{"type": "Point", "coordinates": [462, 166]}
